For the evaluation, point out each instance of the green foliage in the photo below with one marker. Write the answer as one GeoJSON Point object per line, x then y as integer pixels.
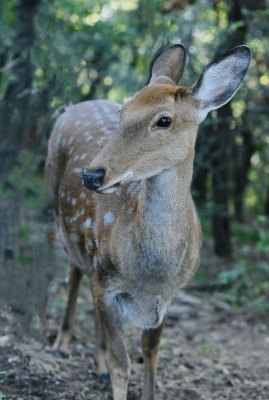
{"type": "Point", "coordinates": [244, 233]}
{"type": "Point", "coordinates": [207, 350]}
{"type": "Point", "coordinates": [263, 234]}
{"type": "Point", "coordinates": [27, 177]}
{"type": "Point", "coordinates": [244, 279]}
{"type": "Point", "coordinates": [98, 49]}
{"type": "Point", "coordinates": [247, 282]}
{"type": "Point", "coordinates": [2, 375]}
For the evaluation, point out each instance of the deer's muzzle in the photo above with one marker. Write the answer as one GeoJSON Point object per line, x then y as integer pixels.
{"type": "Point", "coordinates": [93, 180]}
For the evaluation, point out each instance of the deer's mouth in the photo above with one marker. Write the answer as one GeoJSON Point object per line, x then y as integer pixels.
{"type": "Point", "coordinates": [98, 181]}
{"type": "Point", "coordinates": [112, 185]}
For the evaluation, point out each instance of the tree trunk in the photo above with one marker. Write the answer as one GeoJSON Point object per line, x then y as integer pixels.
{"type": "Point", "coordinates": [220, 183]}
{"type": "Point", "coordinates": [242, 164]}
{"type": "Point", "coordinates": [14, 107]}
{"type": "Point", "coordinates": [223, 149]}
{"type": "Point", "coordinates": [203, 160]}
{"type": "Point", "coordinates": [266, 204]}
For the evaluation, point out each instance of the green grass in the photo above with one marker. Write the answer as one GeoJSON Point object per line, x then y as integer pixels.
{"type": "Point", "coordinates": [243, 280]}
{"type": "Point", "coordinates": [207, 350]}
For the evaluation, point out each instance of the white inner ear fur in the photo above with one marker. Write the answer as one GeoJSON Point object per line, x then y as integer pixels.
{"type": "Point", "coordinates": [225, 76]}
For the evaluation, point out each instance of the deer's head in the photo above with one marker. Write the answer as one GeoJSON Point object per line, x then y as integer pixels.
{"type": "Point", "coordinates": [158, 126]}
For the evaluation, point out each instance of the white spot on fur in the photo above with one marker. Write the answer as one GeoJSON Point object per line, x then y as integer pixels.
{"type": "Point", "coordinates": [83, 156]}
{"type": "Point", "coordinates": [101, 141]}
{"type": "Point", "coordinates": [74, 201]}
{"type": "Point", "coordinates": [88, 223]}
{"type": "Point", "coordinates": [90, 243]}
{"type": "Point", "coordinates": [109, 218]}
{"type": "Point", "coordinates": [77, 170]}
{"type": "Point", "coordinates": [88, 136]}
{"type": "Point", "coordinates": [96, 262]}
{"type": "Point", "coordinates": [71, 150]}
{"type": "Point", "coordinates": [77, 123]}
{"type": "Point", "coordinates": [109, 190]}
{"type": "Point", "coordinates": [78, 214]}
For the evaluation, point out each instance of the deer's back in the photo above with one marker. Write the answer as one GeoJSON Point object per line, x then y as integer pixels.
{"type": "Point", "coordinates": [79, 134]}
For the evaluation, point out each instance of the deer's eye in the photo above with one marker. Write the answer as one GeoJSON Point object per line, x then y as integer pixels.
{"type": "Point", "coordinates": [164, 122]}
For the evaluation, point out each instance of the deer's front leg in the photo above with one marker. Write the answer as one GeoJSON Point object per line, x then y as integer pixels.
{"type": "Point", "coordinates": [100, 349]}
{"type": "Point", "coordinates": [150, 345]}
{"type": "Point", "coordinates": [118, 362]}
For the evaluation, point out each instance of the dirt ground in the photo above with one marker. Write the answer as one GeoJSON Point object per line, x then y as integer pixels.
{"type": "Point", "coordinates": [207, 353]}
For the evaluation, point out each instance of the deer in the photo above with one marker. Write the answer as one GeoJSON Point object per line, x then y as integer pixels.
{"type": "Point", "coordinates": [119, 179]}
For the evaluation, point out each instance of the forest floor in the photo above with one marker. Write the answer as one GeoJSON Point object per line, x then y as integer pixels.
{"type": "Point", "coordinates": [208, 352]}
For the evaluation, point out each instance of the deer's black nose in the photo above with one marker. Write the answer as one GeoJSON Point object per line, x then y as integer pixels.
{"type": "Point", "coordinates": [93, 180]}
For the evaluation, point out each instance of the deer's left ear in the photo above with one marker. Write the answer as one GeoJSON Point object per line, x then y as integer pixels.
{"type": "Point", "coordinates": [221, 80]}
{"type": "Point", "coordinates": [168, 65]}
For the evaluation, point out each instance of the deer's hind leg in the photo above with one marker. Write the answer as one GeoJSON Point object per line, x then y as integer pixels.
{"type": "Point", "coordinates": [150, 345]}
{"type": "Point", "coordinates": [64, 336]}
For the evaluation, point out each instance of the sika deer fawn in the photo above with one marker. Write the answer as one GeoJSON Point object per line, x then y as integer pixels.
{"type": "Point", "coordinates": [136, 231]}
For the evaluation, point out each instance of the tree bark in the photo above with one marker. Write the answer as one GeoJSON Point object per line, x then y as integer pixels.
{"type": "Point", "coordinates": [266, 203]}
{"type": "Point", "coordinates": [203, 160]}
{"type": "Point", "coordinates": [241, 167]}
{"type": "Point", "coordinates": [14, 107]}
{"type": "Point", "coordinates": [223, 149]}
{"type": "Point", "coordinates": [220, 183]}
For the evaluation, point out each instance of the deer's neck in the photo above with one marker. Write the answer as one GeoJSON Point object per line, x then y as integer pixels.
{"type": "Point", "coordinates": [161, 226]}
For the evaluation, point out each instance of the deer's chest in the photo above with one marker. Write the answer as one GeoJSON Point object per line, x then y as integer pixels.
{"type": "Point", "coordinates": [143, 304]}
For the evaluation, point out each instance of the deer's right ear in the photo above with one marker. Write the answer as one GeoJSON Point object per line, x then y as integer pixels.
{"type": "Point", "coordinates": [168, 65]}
{"type": "Point", "coordinates": [221, 80]}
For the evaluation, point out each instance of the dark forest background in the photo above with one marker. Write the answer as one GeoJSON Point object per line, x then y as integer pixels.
{"type": "Point", "coordinates": [64, 51]}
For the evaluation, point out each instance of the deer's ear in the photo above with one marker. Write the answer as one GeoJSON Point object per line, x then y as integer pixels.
{"type": "Point", "coordinates": [221, 80]}
{"type": "Point", "coordinates": [168, 65]}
